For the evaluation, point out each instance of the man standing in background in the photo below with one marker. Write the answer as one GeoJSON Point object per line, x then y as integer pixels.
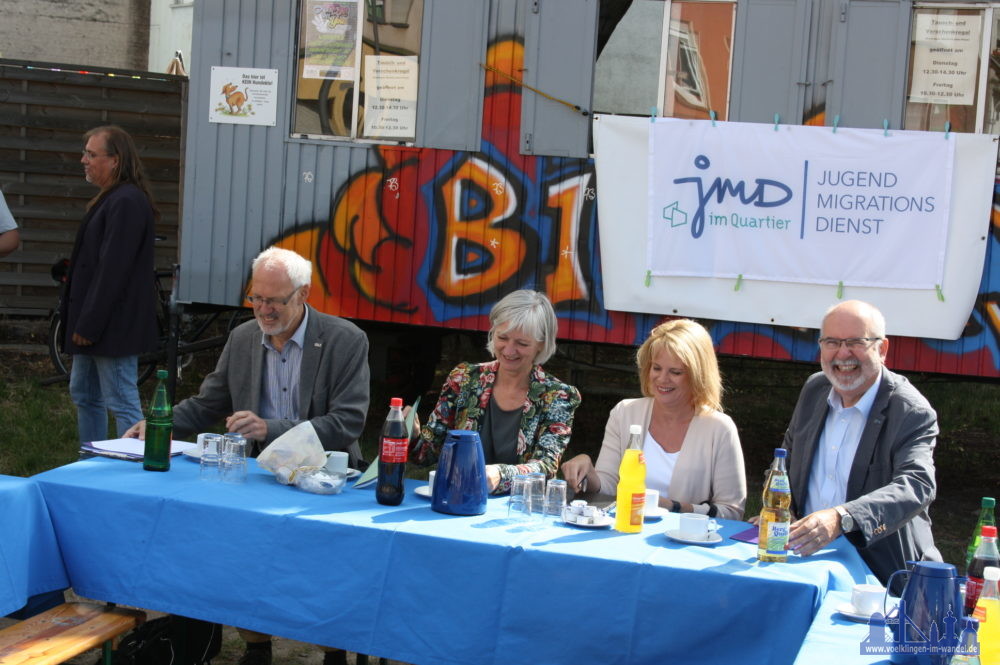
{"type": "Point", "coordinates": [108, 307]}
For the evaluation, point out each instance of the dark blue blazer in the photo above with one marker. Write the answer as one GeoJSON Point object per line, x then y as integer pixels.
{"type": "Point", "coordinates": [109, 297]}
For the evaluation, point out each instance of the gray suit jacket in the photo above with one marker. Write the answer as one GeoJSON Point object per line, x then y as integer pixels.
{"type": "Point", "coordinates": [333, 384]}
{"type": "Point", "coordinates": [891, 483]}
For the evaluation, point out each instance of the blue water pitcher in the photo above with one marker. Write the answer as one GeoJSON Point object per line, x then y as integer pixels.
{"type": "Point", "coordinates": [460, 483]}
{"type": "Point", "coordinates": [928, 621]}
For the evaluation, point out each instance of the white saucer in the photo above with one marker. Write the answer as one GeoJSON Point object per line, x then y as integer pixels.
{"type": "Point", "coordinates": [713, 538]}
{"type": "Point", "coordinates": [654, 514]}
{"type": "Point", "coordinates": [849, 612]}
{"type": "Point", "coordinates": [424, 491]}
{"type": "Point", "coordinates": [601, 524]}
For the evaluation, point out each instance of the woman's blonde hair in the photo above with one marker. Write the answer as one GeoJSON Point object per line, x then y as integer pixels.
{"type": "Point", "coordinates": [692, 345]}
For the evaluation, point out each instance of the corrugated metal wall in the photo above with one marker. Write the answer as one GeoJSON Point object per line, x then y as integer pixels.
{"type": "Point", "coordinates": [433, 237]}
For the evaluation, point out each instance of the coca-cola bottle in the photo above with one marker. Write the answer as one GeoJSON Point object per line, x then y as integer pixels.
{"type": "Point", "coordinates": [392, 456]}
{"type": "Point", "coordinates": [986, 555]}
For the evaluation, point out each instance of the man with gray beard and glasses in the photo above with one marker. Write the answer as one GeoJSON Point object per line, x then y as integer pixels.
{"type": "Point", "coordinates": [860, 449]}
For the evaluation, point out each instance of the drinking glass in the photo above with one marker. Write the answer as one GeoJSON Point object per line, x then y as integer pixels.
{"type": "Point", "coordinates": [211, 453]}
{"type": "Point", "coordinates": [519, 504]}
{"type": "Point", "coordinates": [536, 484]}
{"type": "Point", "coordinates": [555, 499]}
{"type": "Point", "coordinates": [233, 465]}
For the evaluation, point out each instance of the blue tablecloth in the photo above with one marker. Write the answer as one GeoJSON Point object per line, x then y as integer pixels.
{"type": "Point", "coordinates": [411, 584]}
{"type": "Point", "coordinates": [30, 562]}
{"type": "Point", "coordinates": [835, 640]}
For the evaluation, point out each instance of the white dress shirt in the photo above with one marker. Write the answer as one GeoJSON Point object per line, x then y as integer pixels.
{"type": "Point", "coordinates": [835, 452]}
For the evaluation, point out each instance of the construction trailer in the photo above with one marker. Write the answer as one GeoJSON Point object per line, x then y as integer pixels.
{"type": "Point", "coordinates": [430, 156]}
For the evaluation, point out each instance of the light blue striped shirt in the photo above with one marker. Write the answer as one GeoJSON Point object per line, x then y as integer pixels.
{"type": "Point", "coordinates": [279, 390]}
{"type": "Point", "coordinates": [838, 443]}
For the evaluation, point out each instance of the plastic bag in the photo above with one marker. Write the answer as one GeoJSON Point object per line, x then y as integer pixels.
{"type": "Point", "coordinates": [298, 447]}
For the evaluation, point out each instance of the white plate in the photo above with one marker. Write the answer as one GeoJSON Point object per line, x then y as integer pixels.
{"type": "Point", "coordinates": [713, 538]}
{"type": "Point", "coordinates": [654, 514]}
{"type": "Point", "coordinates": [193, 453]}
{"type": "Point", "coordinates": [424, 491]}
{"type": "Point", "coordinates": [849, 612]}
{"type": "Point", "coordinates": [602, 524]}
{"type": "Point", "coordinates": [651, 514]}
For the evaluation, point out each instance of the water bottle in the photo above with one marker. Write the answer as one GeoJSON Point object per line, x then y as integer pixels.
{"type": "Point", "coordinates": [631, 498]}
{"type": "Point", "coordinates": [776, 514]}
{"type": "Point", "coordinates": [392, 456]}
{"type": "Point", "coordinates": [159, 427]}
{"type": "Point", "coordinates": [986, 518]}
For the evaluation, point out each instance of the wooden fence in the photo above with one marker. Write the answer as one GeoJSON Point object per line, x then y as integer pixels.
{"type": "Point", "coordinates": [44, 111]}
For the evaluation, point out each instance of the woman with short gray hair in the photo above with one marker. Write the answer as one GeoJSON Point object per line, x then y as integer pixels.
{"type": "Point", "coordinates": [523, 415]}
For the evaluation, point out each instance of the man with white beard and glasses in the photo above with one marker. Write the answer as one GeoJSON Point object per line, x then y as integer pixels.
{"type": "Point", "coordinates": [860, 449]}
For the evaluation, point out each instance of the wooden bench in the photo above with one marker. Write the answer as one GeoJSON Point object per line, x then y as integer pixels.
{"type": "Point", "coordinates": [66, 631]}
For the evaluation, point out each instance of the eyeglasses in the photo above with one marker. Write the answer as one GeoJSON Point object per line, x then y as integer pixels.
{"type": "Point", "coordinates": [260, 301]}
{"type": "Point", "coordinates": [833, 343]}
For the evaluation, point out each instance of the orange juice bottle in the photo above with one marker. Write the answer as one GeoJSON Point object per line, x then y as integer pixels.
{"type": "Point", "coordinates": [987, 612]}
{"type": "Point", "coordinates": [631, 499]}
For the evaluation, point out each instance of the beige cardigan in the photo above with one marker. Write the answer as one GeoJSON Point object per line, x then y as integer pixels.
{"type": "Point", "coordinates": [709, 468]}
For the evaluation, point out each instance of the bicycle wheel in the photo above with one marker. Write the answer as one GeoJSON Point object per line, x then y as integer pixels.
{"type": "Point", "coordinates": [62, 362]}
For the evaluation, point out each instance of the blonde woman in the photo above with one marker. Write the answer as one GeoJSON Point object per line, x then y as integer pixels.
{"type": "Point", "coordinates": [692, 450]}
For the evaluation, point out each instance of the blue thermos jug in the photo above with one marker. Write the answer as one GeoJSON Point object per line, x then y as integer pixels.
{"type": "Point", "coordinates": [929, 616]}
{"type": "Point", "coordinates": [460, 482]}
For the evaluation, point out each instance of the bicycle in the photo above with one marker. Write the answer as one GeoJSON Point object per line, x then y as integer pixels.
{"type": "Point", "coordinates": [192, 326]}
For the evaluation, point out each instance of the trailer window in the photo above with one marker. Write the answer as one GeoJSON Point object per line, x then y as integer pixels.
{"type": "Point", "coordinates": [357, 69]}
{"type": "Point", "coordinates": [947, 82]}
{"type": "Point", "coordinates": [671, 56]}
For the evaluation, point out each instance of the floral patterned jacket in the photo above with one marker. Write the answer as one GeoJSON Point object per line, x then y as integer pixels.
{"type": "Point", "coordinates": [546, 422]}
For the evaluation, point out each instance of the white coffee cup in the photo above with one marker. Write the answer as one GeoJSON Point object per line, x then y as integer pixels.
{"type": "Point", "coordinates": [430, 481]}
{"type": "Point", "coordinates": [652, 501]}
{"type": "Point", "coordinates": [867, 598]}
{"type": "Point", "coordinates": [336, 461]}
{"type": "Point", "coordinates": [695, 526]}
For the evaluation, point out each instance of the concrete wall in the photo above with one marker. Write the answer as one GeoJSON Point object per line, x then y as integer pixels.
{"type": "Point", "coordinates": [105, 33]}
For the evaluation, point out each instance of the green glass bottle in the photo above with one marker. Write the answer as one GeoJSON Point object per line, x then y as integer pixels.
{"type": "Point", "coordinates": [159, 427]}
{"type": "Point", "coordinates": [986, 518]}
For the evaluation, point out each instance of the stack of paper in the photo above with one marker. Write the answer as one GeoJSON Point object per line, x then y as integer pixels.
{"type": "Point", "coordinates": [128, 449]}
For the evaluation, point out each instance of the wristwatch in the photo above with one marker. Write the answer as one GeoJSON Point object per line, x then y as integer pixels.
{"type": "Point", "coordinates": [846, 521]}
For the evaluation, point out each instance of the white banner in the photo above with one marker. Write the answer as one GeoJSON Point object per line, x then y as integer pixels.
{"type": "Point", "coordinates": [621, 155]}
{"type": "Point", "coordinates": [801, 204]}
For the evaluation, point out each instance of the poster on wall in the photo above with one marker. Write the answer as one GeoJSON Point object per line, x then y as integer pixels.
{"type": "Point", "coordinates": [329, 38]}
{"type": "Point", "coordinates": [808, 205]}
{"type": "Point", "coordinates": [946, 50]}
{"type": "Point", "coordinates": [243, 96]}
{"type": "Point", "coordinates": [390, 96]}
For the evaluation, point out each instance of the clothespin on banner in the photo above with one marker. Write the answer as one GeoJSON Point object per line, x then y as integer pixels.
{"type": "Point", "coordinates": [940, 293]}
{"type": "Point", "coordinates": [840, 290]}
{"type": "Point", "coordinates": [947, 129]}
{"type": "Point", "coordinates": [885, 126]}
{"type": "Point", "coordinates": [836, 121]}
{"type": "Point", "coordinates": [652, 114]}
{"type": "Point", "coordinates": [739, 282]}
{"type": "Point", "coordinates": [777, 119]}
{"type": "Point", "coordinates": [711, 115]}
{"type": "Point", "coordinates": [649, 278]}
